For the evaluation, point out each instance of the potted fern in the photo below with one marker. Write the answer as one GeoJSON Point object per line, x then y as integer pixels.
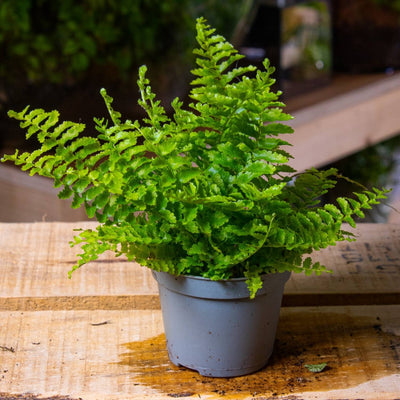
{"type": "Point", "coordinates": [205, 198]}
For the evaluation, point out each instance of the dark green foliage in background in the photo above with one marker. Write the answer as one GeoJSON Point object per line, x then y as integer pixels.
{"type": "Point", "coordinates": [64, 41]}
{"type": "Point", "coordinates": [393, 4]}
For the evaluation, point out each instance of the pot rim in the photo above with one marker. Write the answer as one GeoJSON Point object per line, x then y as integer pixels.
{"type": "Point", "coordinates": [235, 288]}
{"type": "Point", "coordinates": [218, 280]}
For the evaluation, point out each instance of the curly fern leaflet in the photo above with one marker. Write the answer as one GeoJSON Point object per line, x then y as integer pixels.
{"type": "Point", "coordinates": [207, 191]}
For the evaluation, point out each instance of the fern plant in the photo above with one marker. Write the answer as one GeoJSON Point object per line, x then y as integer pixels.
{"type": "Point", "coordinates": [206, 192]}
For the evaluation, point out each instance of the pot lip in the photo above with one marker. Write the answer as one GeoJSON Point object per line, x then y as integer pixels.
{"type": "Point", "coordinates": [205, 288]}
{"type": "Point", "coordinates": [201, 278]}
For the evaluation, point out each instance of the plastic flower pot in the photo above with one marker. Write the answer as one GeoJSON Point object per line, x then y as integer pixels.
{"type": "Point", "coordinates": [214, 327]}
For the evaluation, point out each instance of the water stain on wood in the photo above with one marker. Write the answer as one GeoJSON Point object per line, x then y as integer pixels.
{"type": "Point", "coordinates": [355, 350]}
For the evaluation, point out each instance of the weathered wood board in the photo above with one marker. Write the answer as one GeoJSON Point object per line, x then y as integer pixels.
{"type": "Point", "coordinates": [17, 186]}
{"type": "Point", "coordinates": [100, 335]}
{"type": "Point", "coordinates": [35, 259]}
{"type": "Point", "coordinates": [366, 271]}
{"type": "Point", "coordinates": [104, 354]}
{"type": "Point", "coordinates": [341, 125]}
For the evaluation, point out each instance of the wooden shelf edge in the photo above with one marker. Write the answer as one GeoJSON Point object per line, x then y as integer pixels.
{"type": "Point", "coordinates": [344, 124]}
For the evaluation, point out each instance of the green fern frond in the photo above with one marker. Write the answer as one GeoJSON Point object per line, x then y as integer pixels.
{"type": "Point", "coordinates": [206, 191]}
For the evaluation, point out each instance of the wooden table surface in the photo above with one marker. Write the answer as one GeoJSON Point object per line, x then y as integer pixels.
{"type": "Point", "coordinates": [100, 334]}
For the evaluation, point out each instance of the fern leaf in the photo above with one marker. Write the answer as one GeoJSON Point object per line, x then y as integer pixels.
{"type": "Point", "coordinates": [208, 191]}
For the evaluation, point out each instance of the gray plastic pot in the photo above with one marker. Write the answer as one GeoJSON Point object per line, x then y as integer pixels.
{"type": "Point", "coordinates": [213, 327]}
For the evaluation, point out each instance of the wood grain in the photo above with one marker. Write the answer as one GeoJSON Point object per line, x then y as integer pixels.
{"type": "Point", "coordinates": [337, 127]}
{"type": "Point", "coordinates": [16, 187]}
{"type": "Point", "coordinates": [100, 335]}
{"type": "Point", "coordinates": [33, 275]}
{"type": "Point", "coordinates": [102, 354]}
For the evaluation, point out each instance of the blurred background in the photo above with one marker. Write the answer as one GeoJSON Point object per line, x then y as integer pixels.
{"type": "Point", "coordinates": [331, 58]}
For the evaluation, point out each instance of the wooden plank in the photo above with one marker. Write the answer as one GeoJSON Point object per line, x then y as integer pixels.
{"type": "Point", "coordinates": [35, 259]}
{"type": "Point", "coordinates": [345, 124]}
{"type": "Point", "coordinates": [38, 266]}
{"type": "Point", "coordinates": [394, 217]}
{"type": "Point", "coordinates": [103, 354]}
{"type": "Point", "coordinates": [339, 85]}
{"type": "Point", "coordinates": [363, 272]}
{"type": "Point", "coordinates": [43, 205]}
